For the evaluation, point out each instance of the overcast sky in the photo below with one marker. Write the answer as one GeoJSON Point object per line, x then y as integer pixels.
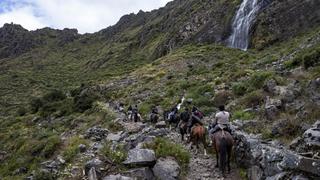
{"type": "Point", "coordinates": [85, 15]}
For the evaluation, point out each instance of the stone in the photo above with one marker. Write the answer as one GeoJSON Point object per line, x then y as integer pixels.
{"type": "Point", "coordinates": [115, 137]}
{"type": "Point", "coordinates": [76, 171]}
{"type": "Point", "coordinates": [92, 175]}
{"type": "Point", "coordinates": [82, 148]}
{"type": "Point", "coordinates": [93, 163]}
{"type": "Point", "coordinates": [279, 176]}
{"type": "Point", "coordinates": [270, 85]}
{"type": "Point", "coordinates": [133, 127]}
{"type": "Point", "coordinates": [140, 157]}
{"type": "Point", "coordinates": [141, 173]}
{"type": "Point", "coordinates": [255, 173]}
{"type": "Point", "coordinates": [117, 177]}
{"type": "Point", "coordinates": [96, 133]}
{"type": "Point", "coordinates": [166, 169]}
{"type": "Point", "coordinates": [21, 170]}
{"type": "Point", "coordinates": [312, 136]}
{"type": "Point", "coordinates": [161, 124]}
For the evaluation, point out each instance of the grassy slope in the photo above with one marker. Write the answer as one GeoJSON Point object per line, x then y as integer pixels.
{"type": "Point", "coordinates": [192, 70]}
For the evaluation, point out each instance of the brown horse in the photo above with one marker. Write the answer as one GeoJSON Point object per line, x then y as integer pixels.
{"type": "Point", "coordinates": [198, 134]}
{"type": "Point", "coordinates": [223, 143]}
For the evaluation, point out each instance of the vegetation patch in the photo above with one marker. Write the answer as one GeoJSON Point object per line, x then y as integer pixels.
{"type": "Point", "coordinates": [164, 147]}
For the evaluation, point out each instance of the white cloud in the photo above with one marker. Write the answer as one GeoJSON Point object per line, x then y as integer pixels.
{"type": "Point", "coordinates": [85, 15]}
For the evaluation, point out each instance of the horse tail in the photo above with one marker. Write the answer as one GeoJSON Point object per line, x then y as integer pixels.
{"type": "Point", "coordinates": [223, 154]}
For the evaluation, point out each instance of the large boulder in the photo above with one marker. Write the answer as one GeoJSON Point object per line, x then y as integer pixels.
{"type": "Point", "coordinates": [313, 90]}
{"type": "Point", "coordinates": [141, 173]}
{"type": "Point", "coordinates": [270, 158]}
{"type": "Point", "coordinates": [166, 169]}
{"type": "Point", "coordinates": [312, 136]}
{"type": "Point", "coordinates": [140, 157]}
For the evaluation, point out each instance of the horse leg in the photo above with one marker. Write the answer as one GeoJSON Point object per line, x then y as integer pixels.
{"type": "Point", "coordinates": [229, 157]}
{"type": "Point", "coordinates": [217, 157]}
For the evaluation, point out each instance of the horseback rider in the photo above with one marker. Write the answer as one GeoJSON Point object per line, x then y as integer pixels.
{"type": "Point", "coordinates": [172, 114]}
{"type": "Point", "coordinates": [195, 118]}
{"type": "Point", "coordinates": [221, 121]}
{"type": "Point", "coordinates": [154, 114]}
{"type": "Point", "coordinates": [154, 110]}
{"type": "Point", "coordinates": [135, 114]}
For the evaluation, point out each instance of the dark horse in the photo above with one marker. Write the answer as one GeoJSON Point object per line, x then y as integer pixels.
{"type": "Point", "coordinates": [183, 127]}
{"type": "Point", "coordinates": [198, 134]}
{"type": "Point", "coordinates": [174, 120]}
{"type": "Point", "coordinates": [154, 118]}
{"type": "Point", "coordinates": [223, 143]}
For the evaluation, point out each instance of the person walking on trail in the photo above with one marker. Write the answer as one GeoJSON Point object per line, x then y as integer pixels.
{"type": "Point", "coordinates": [196, 117]}
{"type": "Point", "coordinates": [222, 121]}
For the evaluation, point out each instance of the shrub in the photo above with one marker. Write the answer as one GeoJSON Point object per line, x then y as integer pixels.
{"type": "Point", "coordinates": [21, 111]}
{"type": "Point", "coordinates": [35, 104]}
{"type": "Point", "coordinates": [239, 89]}
{"type": "Point", "coordinates": [118, 154]}
{"type": "Point", "coordinates": [242, 115]}
{"type": "Point", "coordinates": [164, 147]}
{"type": "Point", "coordinates": [252, 99]}
{"type": "Point", "coordinates": [258, 79]}
{"type": "Point", "coordinates": [83, 102]}
{"type": "Point", "coordinates": [73, 148]}
{"type": "Point", "coordinates": [51, 146]}
{"type": "Point", "coordinates": [54, 95]}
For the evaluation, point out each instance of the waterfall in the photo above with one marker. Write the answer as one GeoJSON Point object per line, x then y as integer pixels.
{"type": "Point", "coordinates": [243, 21]}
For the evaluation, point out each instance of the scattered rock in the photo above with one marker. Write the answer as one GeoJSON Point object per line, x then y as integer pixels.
{"type": "Point", "coordinates": [255, 173]}
{"type": "Point", "coordinates": [115, 137]}
{"type": "Point", "coordinates": [141, 173]}
{"type": "Point", "coordinates": [161, 124]}
{"type": "Point", "coordinates": [166, 169]}
{"type": "Point", "coordinates": [76, 171]}
{"type": "Point", "coordinates": [117, 177]}
{"type": "Point", "coordinates": [270, 85]}
{"type": "Point", "coordinates": [92, 175]}
{"type": "Point", "coordinates": [94, 163]}
{"type": "Point", "coordinates": [96, 133]}
{"type": "Point", "coordinates": [140, 157]}
{"type": "Point", "coordinates": [21, 170]}
{"type": "Point", "coordinates": [312, 136]}
{"type": "Point", "coordinates": [82, 148]}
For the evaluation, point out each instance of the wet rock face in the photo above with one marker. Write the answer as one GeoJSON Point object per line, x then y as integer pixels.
{"type": "Point", "coordinates": [296, 17]}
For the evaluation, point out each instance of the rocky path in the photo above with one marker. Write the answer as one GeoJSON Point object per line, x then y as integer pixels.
{"type": "Point", "coordinates": [202, 167]}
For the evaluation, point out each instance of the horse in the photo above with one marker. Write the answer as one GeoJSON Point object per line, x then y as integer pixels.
{"type": "Point", "coordinates": [175, 120]}
{"type": "Point", "coordinates": [223, 143]}
{"type": "Point", "coordinates": [198, 134]}
{"type": "Point", "coordinates": [154, 118]}
{"type": "Point", "coordinates": [183, 127]}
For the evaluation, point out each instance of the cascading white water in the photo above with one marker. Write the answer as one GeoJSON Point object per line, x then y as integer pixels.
{"type": "Point", "coordinates": [242, 23]}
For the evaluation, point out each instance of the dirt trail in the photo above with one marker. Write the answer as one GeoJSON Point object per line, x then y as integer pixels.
{"type": "Point", "coordinates": [202, 167]}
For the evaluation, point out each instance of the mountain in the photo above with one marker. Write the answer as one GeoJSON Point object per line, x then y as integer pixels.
{"type": "Point", "coordinates": [55, 83]}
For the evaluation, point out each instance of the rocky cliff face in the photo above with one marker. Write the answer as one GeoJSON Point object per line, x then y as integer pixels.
{"type": "Point", "coordinates": [285, 19]}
